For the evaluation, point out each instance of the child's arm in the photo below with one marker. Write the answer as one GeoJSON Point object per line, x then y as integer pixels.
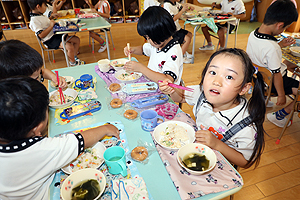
{"type": "Point", "coordinates": [278, 83]}
{"type": "Point", "coordinates": [59, 5]}
{"type": "Point", "coordinates": [185, 7]}
{"type": "Point", "coordinates": [215, 5]}
{"type": "Point", "coordinates": [45, 32]}
{"type": "Point", "coordinates": [92, 136]}
{"type": "Point", "coordinates": [207, 138]}
{"type": "Point", "coordinates": [134, 50]}
{"type": "Point", "coordinates": [150, 74]}
{"type": "Point", "coordinates": [48, 74]}
{"type": "Point", "coordinates": [240, 16]}
{"type": "Point", "coordinates": [176, 94]}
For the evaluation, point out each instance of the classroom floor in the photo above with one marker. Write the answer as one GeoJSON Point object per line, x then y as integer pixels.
{"type": "Point", "coordinates": [278, 175]}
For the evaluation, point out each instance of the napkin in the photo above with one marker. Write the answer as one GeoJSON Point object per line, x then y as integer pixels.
{"type": "Point", "coordinates": [210, 22]}
{"type": "Point", "coordinates": [129, 189]}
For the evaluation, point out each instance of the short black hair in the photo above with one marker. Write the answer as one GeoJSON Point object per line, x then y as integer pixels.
{"type": "Point", "coordinates": [23, 105]}
{"type": "Point", "coordinates": [156, 23]}
{"type": "Point", "coordinates": [33, 3]}
{"type": "Point", "coordinates": [281, 11]}
{"type": "Point", "coordinates": [18, 58]}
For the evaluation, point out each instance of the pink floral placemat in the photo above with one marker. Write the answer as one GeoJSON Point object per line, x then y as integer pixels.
{"type": "Point", "coordinates": [223, 177]}
{"type": "Point", "coordinates": [110, 78]}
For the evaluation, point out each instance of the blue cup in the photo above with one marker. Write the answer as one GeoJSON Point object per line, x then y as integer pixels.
{"type": "Point", "coordinates": [85, 82]}
{"type": "Point", "coordinates": [115, 160]}
{"type": "Point", "coordinates": [149, 119]}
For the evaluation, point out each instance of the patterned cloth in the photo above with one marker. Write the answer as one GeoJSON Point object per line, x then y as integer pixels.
{"type": "Point", "coordinates": [223, 177]}
{"type": "Point", "coordinates": [210, 22]}
{"type": "Point", "coordinates": [110, 78]}
{"type": "Point", "coordinates": [286, 53]}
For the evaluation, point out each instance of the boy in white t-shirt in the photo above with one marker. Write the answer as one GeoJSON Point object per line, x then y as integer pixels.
{"type": "Point", "coordinates": [28, 160]}
{"type": "Point", "coordinates": [235, 8]}
{"type": "Point", "coordinates": [43, 28]}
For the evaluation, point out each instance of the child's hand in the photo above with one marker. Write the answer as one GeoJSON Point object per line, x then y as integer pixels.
{"type": "Point", "coordinates": [126, 51]}
{"type": "Point", "coordinates": [111, 130]}
{"type": "Point", "coordinates": [93, 10]}
{"type": "Point", "coordinates": [287, 41]}
{"type": "Point", "coordinates": [185, 7]}
{"type": "Point", "coordinates": [62, 82]}
{"type": "Point", "coordinates": [281, 100]}
{"type": "Point", "coordinates": [207, 138]}
{"type": "Point", "coordinates": [191, 7]}
{"type": "Point", "coordinates": [134, 66]}
{"type": "Point", "coordinates": [165, 88]}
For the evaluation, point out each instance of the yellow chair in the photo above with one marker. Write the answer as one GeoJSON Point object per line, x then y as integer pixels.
{"type": "Point", "coordinates": [268, 80]}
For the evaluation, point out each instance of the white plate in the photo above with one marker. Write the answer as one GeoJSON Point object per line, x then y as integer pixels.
{"type": "Point", "coordinates": [68, 92]}
{"type": "Point", "coordinates": [100, 150]}
{"type": "Point", "coordinates": [134, 75]}
{"type": "Point", "coordinates": [69, 79]}
{"type": "Point", "coordinates": [190, 14]}
{"type": "Point", "coordinates": [162, 127]}
{"type": "Point", "coordinates": [115, 63]}
{"type": "Point", "coordinates": [295, 51]}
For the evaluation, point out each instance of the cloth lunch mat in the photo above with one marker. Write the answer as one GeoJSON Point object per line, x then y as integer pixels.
{"type": "Point", "coordinates": [110, 78]}
{"type": "Point", "coordinates": [286, 52]}
{"type": "Point", "coordinates": [222, 177]}
{"type": "Point", "coordinates": [108, 142]}
{"type": "Point", "coordinates": [83, 97]}
{"type": "Point", "coordinates": [210, 22]}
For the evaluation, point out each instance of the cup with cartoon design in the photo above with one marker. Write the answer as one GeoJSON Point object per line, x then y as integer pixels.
{"type": "Point", "coordinates": [149, 120]}
{"type": "Point", "coordinates": [115, 160]}
{"type": "Point", "coordinates": [85, 82]}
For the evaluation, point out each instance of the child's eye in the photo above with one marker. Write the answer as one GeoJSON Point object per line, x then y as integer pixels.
{"type": "Point", "coordinates": [229, 77]}
{"type": "Point", "coordinates": [212, 72]}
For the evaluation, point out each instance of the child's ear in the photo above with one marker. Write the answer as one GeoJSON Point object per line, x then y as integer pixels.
{"type": "Point", "coordinates": [36, 131]}
{"type": "Point", "coordinates": [245, 89]}
{"type": "Point", "coordinates": [280, 25]}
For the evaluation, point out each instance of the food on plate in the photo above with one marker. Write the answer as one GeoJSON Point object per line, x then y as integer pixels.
{"type": "Point", "coordinates": [196, 162]}
{"type": "Point", "coordinates": [72, 27]}
{"type": "Point", "coordinates": [139, 153]}
{"type": "Point", "coordinates": [126, 76]}
{"type": "Point", "coordinates": [119, 65]}
{"type": "Point", "coordinates": [116, 103]}
{"type": "Point", "coordinates": [296, 50]}
{"type": "Point", "coordinates": [174, 136]}
{"type": "Point", "coordinates": [89, 189]}
{"type": "Point", "coordinates": [114, 87]}
{"type": "Point", "coordinates": [55, 99]}
{"type": "Point", "coordinates": [130, 114]}
{"type": "Point", "coordinates": [88, 159]}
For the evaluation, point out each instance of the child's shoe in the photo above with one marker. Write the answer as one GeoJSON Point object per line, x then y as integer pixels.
{"type": "Point", "coordinates": [188, 55]}
{"type": "Point", "coordinates": [280, 123]}
{"type": "Point", "coordinates": [102, 48]}
{"type": "Point", "coordinates": [207, 47]}
{"type": "Point", "coordinates": [77, 62]}
{"type": "Point", "coordinates": [187, 60]}
{"type": "Point", "coordinates": [270, 104]}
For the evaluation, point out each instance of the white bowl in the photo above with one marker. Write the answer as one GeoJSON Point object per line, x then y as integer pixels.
{"type": "Point", "coordinates": [162, 128]}
{"type": "Point", "coordinates": [295, 51]}
{"type": "Point", "coordinates": [78, 177]}
{"type": "Point", "coordinates": [116, 63]}
{"type": "Point", "coordinates": [199, 149]}
{"type": "Point", "coordinates": [69, 79]}
{"type": "Point", "coordinates": [130, 77]}
{"type": "Point", "coordinates": [68, 92]}
{"type": "Point", "coordinates": [104, 65]}
{"type": "Point", "coordinates": [190, 14]}
{"type": "Point", "coordinates": [63, 12]}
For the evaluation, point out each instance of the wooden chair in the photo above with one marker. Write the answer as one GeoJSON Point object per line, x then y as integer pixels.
{"type": "Point", "coordinates": [235, 35]}
{"type": "Point", "coordinates": [268, 80]}
{"type": "Point", "coordinates": [45, 48]}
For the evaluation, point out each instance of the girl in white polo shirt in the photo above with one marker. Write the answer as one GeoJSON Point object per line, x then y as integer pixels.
{"type": "Point", "coordinates": [226, 120]}
{"type": "Point", "coordinates": [157, 26]}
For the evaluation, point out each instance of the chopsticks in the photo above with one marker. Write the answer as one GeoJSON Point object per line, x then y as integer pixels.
{"type": "Point", "coordinates": [61, 94]}
{"type": "Point", "coordinates": [129, 54]}
{"type": "Point", "coordinates": [179, 86]}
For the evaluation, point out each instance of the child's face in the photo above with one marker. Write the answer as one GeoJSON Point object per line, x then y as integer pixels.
{"type": "Point", "coordinates": [222, 81]}
{"type": "Point", "coordinates": [37, 75]}
{"type": "Point", "coordinates": [41, 8]}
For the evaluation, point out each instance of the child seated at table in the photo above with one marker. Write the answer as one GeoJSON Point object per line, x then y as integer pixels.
{"type": "Point", "coordinates": [28, 160]}
{"type": "Point", "coordinates": [24, 61]}
{"type": "Point", "coordinates": [157, 26]}
{"type": "Point", "coordinates": [184, 37]}
{"type": "Point", "coordinates": [43, 28]}
{"type": "Point", "coordinates": [103, 9]}
{"type": "Point", "coordinates": [265, 51]}
{"type": "Point", "coordinates": [226, 120]}
{"type": "Point", "coordinates": [235, 8]}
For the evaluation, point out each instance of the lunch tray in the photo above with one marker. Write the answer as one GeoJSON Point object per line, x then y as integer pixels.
{"type": "Point", "coordinates": [150, 101]}
{"type": "Point", "coordinates": [140, 88]}
{"type": "Point", "coordinates": [81, 109]}
{"type": "Point", "coordinates": [57, 27]}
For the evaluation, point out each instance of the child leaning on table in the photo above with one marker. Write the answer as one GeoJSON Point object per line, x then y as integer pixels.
{"type": "Point", "coordinates": [156, 25]}
{"type": "Point", "coordinates": [235, 8]}
{"type": "Point", "coordinates": [103, 9]}
{"type": "Point", "coordinates": [28, 160]}
{"type": "Point", "coordinates": [265, 51]}
{"type": "Point", "coordinates": [19, 59]}
{"type": "Point", "coordinates": [221, 108]}
{"type": "Point", "coordinates": [184, 36]}
{"type": "Point", "coordinates": [43, 28]}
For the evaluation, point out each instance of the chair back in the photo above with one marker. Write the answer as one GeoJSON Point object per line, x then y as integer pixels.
{"type": "Point", "coordinates": [268, 80]}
